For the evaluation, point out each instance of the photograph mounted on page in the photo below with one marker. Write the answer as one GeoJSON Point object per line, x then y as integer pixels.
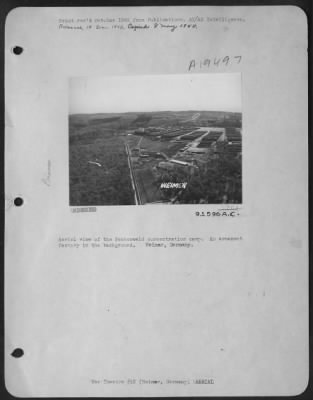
{"type": "Point", "coordinates": [166, 139]}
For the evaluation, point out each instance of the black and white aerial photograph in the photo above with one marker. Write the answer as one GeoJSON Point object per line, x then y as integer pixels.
{"type": "Point", "coordinates": [171, 139]}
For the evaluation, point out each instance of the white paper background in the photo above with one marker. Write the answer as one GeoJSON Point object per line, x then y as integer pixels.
{"type": "Point", "coordinates": [170, 312]}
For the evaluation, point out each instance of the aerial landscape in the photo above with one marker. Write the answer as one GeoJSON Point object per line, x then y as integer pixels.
{"type": "Point", "coordinates": [182, 157]}
{"type": "Point", "coordinates": [157, 139]}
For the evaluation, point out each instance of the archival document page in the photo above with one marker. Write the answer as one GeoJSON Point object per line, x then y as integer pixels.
{"type": "Point", "coordinates": [156, 239]}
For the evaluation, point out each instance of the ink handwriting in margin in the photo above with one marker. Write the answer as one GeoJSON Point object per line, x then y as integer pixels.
{"type": "Point", "coordinates": [214, 62]}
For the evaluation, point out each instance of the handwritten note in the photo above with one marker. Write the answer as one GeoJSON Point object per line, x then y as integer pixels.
{"type": "Point", "coordinates": [170, 24]}
{"type": "Point", "coordinates": [214, 62]}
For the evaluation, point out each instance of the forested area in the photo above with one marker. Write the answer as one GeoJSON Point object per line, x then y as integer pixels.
{"type": "Point", "coordinates": [218, 182]}
{"type": "Point", "coordinates": [99, 172]}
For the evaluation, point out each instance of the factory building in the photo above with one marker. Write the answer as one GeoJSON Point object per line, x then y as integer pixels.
{"type": "Point", "coordinates": [197, 150]}
{"type": "Point", "coordinates": [166, 165]}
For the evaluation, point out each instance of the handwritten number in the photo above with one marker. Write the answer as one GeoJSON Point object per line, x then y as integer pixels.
{"type": "Point", "coordinates": [217, 62]}
{"type": "Point", "coordinates": [226, 60]}
{"type": "Point", "coordinates": [207, 62]}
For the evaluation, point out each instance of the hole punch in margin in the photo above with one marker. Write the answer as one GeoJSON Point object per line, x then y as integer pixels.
{"type": "Point", "coordinates": [18, 201]}
{"type": "Point", "coordinates": [17, 353]}
{"type": "Point", "coordinates": [17, 50]}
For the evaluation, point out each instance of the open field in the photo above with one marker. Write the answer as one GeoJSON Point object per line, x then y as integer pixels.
{"type": "Point", "coordinates": [167, 147]}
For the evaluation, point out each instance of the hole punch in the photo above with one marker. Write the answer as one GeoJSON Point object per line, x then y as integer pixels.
{"type": "Point", "coordinates": [17, 353]}
{"type": "Point", "coordinates": [18, 201]}
{"type": "Point", "coordinates": [17, 50]}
